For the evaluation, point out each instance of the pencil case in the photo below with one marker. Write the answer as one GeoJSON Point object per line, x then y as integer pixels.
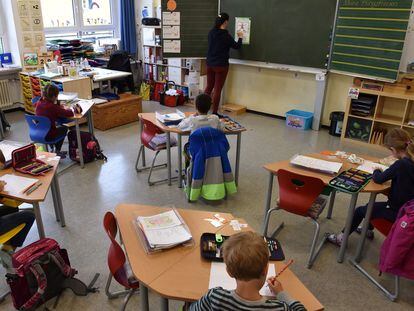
{"type": "Point", "coordinates": [211, 243]}
{"type": "Point", "coordinates": [24, 161]}
{"type": "Point", "coordinates": [351, 181]}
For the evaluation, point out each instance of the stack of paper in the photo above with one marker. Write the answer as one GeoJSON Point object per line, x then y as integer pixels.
{"type": "Point", "coordinates": [164, 230]}
{"type": "Point", "coordinates": [170, 118]}
{"type": "Point", "coordinates": [370, 167]}
{"type": "Point", "coordinates": [316, 164]}
{"type": "Point", "coordinates": [220, 277]}
{"type": "Point", "coordinates": [7, 147]}
{"type": "Point", "coordinates": [67, 96]}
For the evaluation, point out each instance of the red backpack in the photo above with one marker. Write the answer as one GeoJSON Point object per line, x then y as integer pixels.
{"type": "Point", "coordinates": [42, 271]}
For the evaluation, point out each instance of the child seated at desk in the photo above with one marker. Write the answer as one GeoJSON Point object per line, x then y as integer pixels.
{"type": "Point", "coordinates": [200, 119]}
{"type": "Point", "coordinates": [49, 107]}
{"type": "Point", "coordinates": [401, 174]}
{"type": "Point", "coordinates": [10, 218]}
{"type": "Point", "coordinates": [246, 255]}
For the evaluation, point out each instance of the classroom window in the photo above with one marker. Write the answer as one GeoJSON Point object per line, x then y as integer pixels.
{"type": "Point", "coordinates": [1, 46]}
{"type": "Point", "coordinates": [80, 18]}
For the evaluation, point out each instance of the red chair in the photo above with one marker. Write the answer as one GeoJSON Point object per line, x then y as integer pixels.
{"type": "Point", "coordinates": [300, 195]}
{"type": "Point", "coordinates": [118, 266]}
{"type": "Point", "coordinates": [383, 226]}
{"type": "Point", "coordinates": [148, 132]}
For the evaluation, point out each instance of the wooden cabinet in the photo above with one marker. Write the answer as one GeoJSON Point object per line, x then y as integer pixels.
{"type": "Point", "coordinates": [117, 112]}
{"type": "Point", "coordinates": [390, 109]}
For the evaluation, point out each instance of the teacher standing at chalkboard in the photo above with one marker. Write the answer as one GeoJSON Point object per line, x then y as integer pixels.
{"type": "Point", "coordinates": [219, 44]}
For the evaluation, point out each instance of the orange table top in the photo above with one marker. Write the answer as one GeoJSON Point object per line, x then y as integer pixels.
{"type": "Point", "coordinates": [371, 187]}
{"type": "Point", "coordinates": [181, 273]}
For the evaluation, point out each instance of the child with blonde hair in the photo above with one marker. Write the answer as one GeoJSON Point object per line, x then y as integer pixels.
{"type": "Point", "coordinates": [246, 256]}
{"type": "Point", "coordinates": [401, 174]}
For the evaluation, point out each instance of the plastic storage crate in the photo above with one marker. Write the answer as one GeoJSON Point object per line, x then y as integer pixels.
{"type": "Point", "coordinates": [299, 119]}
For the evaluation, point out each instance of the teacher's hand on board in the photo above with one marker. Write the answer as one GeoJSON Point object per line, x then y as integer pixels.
{"type": "Point", "coordinates": [240, 34]}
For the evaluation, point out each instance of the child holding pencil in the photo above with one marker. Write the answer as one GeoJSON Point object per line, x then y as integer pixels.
{"type": "Point", "coordinates": [246, 256]}
{"type": "Point", "coordinates": [401, 174]}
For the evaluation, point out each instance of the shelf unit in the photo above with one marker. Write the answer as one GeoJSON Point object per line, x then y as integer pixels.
{"type": "Point", "coordinates": [392, 108]}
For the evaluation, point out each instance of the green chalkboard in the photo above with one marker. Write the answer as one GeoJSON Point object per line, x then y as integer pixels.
{"type": "Point", "coordinates": [286, 32]}
{"type": "Point", "coordinates": [369, 37]}
{"type": "Point", "coordinates": [197, 18]}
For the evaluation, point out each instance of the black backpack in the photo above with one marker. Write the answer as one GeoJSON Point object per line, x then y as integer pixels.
{"type": "Point", "coordinates": [121, 61]}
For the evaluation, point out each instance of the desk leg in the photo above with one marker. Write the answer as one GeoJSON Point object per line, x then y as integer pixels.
{"type": "Point", "coordinates": [90, 122]}
{"type": "Point", "coordinates": [164, 304]}
{"type": "Point", "coordinates": [169, 157]}
{"type": "Point", "coordinates": [55, 200]}
{"type": "Point", "coordinates": [1, 130]}
{"type": "Point", "coordinates": [143, 149]}
{"type": "Point", "coordinates": [365, 227]}
{"type": "Point", "coordinates": [79, 141]}
{"type": "Point", "coordinates": [331, 204]}
{"type": "Point", "coordinates": [268, 199]}
{"type": "Point", "coordinates": [347, 230]}
{"type": "Point", "coordinates": [100, 86]}
{"type": "Point", "coordinates": [56, 189]}
{"type": "Point", "coordinates": [143, 297]}
{"type": "Point", "coordinates": [39, 221]}
{"type": "Point", "coordinates": [180, 161]}
{"type": "Point", "coordinates": [238, 148]}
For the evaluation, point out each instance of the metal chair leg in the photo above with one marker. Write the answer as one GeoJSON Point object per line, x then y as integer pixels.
{"type": "Point", "coordinates": [138, 157]}
{"type": "Point", "coordinates": [152, 167]}
{"type": "Point", "coordinates": [316, 250]}
{"type": "Point", "coordinates": [126, 299]}
{"type": "Point", "coordinates": [390, 296]}
{"type": "Point", "coordinates": [266, 224]}
{"type": "Point", "coordinates": [113, 295]}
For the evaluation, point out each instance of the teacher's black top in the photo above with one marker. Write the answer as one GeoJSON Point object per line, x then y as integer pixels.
{"type": "Point", "coordinates": [219, 44]}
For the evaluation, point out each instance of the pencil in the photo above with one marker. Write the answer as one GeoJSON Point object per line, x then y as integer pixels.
{"type": "Point", "coordinates": [33, 188]}
{"type": "Point", "coordinates": [284, 268]}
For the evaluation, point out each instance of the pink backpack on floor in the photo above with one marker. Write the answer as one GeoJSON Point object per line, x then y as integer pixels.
{"type": "Point", "coordinates": [42, 271]}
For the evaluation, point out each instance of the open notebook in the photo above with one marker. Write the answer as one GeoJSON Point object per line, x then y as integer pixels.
{"type": "Point", "coordinates": [316, 164]}
{"type": "Point", "coordinates": [162, 231]}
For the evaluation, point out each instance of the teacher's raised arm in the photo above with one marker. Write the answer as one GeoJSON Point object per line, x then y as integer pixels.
{"type": "Point", "coordinates": [219, 44]}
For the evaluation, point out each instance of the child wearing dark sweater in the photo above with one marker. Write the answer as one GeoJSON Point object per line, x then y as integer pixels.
{"type": "Point", "coordinates": [246, 256]}
{"type": "Point", "coordinates": [401, 174]}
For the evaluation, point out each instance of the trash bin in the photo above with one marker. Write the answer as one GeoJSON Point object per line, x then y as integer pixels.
{"type": "Point", "coordinates": [337, 120]}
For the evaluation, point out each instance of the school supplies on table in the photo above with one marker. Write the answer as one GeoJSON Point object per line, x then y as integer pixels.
{"type": "Point", "coordinates": [210, 247]}
{"type": "Point", "coordinates": [162, 231]}
{"type": "Point", "coordinates": [231, 125]}
{"type": "Point", "coordinates": [17, 184]}
{"type": "Point", "coordinates": [284, 268]}
{"type": "Point", "coordinates": [170, 118]}
{"type": "Point", "coordinates": [24, 161]}
{"type": "Point", "coordinates": [33, 188]}
{"type": "Point", "coordinates": [7, 147]}
{"type": "Point", "coordinates": [220, 277]}
{"type": "Point", "coordinates": [351, 181]}
{"type": "Point", "coordinates": [370, 167]}
{"type": "Point", "coordinates": [316, 164]}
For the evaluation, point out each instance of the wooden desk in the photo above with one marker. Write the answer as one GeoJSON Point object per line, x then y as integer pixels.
{"type": "Point", "coordinates": [168, 130]}
{"type": "Point", "coordinates": [372, 188]}
{"type": "Point", "coordinates": [181, 273]}
{"type": "Point", "coordinates": [50, 180]}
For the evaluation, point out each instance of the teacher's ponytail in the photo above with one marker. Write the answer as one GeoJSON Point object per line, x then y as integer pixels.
{"type": "Point", "coordinates": [221, 19]}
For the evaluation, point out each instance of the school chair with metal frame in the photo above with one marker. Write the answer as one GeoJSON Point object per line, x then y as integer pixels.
{"type": "Point", "coordinates": [300, 195]}
{"type": "Point", "coordinates": [148, 132]}
{"type": "Point", "coordinates": [383, 226]}
{"type": "Point", "coordinates": [39, 127]}
{"type": "Point", "coordinates": [118, 264]}
{"type": "Point", "coordinates": [3, 239]}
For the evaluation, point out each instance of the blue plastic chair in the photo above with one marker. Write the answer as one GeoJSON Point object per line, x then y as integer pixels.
{"type": "Point", "coordinates": [39, 127]}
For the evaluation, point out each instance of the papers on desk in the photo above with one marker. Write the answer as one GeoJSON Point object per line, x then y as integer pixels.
{"type": "Point", "coordinates": [369, 167]}
{"type": "Point", "coordinates": [162, 231]}
{"type": "Point", "coordinates": [7, 147]}
{"type": "Point", "coordinates": [17, 184]}
{"type": "Point", "coordinates": [170, 118]}
{"type": "Point", "coordinates": [66, 96]}
{"type": "Point", "coordinates": [316, 164]}
{"type": "Point", "coordinates": [220, 277]}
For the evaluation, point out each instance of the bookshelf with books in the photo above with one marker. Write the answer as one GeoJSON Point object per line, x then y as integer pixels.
{"type": "Point", "coordinates": [374, 113]}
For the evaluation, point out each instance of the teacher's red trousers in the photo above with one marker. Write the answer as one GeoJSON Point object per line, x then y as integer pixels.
{"type": "Point", "coordinates": [216, 77]}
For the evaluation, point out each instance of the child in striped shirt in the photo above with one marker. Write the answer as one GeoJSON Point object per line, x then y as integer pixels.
{"type": "Point", "coordinates": [246, 256]}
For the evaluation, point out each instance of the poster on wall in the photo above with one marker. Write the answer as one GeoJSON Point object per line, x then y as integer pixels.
{"type": "Point", "coordinates": [171, 32]}
{"type": "Point", "coordinates": [171, 18]}
{"type": "Point", "coordinates": [172, 46]}
{"type": "Point", "coordinates": [243, 24]}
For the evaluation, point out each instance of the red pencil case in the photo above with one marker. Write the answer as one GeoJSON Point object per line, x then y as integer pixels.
{"type": "Point", "coordinates": [24, 161]}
